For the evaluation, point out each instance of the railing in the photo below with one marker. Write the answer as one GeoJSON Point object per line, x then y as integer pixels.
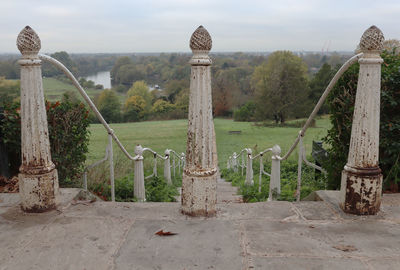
{"type": "Point", "coordinates": [276, 158]}
{"type": "Point", "coordinates": [139, 189]}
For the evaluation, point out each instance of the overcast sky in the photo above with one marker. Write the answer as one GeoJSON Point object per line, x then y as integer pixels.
{"type": "Point", "coordinates": [166, 26]}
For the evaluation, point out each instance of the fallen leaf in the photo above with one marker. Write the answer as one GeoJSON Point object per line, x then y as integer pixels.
{"type": "Point", "coordinates": [345, 248]}
{"type": "Point", "coordinates": [162, 233]}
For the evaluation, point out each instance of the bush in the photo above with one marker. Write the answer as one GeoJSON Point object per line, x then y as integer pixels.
{"type": "Point", "coordinates": [341, 101]}
{"type": "Point", "coordinates": [69, 138]}
{"type": "Point", "coordinates": [246, 112]}
{"type": "Point", "coordinates": [68, 134]}
{"type": "Point", "coordinates": [157, 190]}
{"type": "Point", "coordinates": [310, 182]}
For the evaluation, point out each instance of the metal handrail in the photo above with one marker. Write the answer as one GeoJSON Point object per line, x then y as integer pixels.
{"type": "Point", "coordinates": [299, 139]}
{"type": "Point", "coordinates": [322, 99]}
{"type": "Point", "coordinates": [67, 73]}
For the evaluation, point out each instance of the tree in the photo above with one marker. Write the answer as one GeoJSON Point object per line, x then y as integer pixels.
{"type": "Point", "coordinates": [49, 70]}
{"type": "Point", "coordinates": [174, 87]}
{"type": "Point", "coordinates": [162, 107]}
{"type": "Point", "coordinates": [109, 106]}
{"type": "Point", "coordinates": [140, 88]}
{"type": "Point", "coordinates": [392, 45]}
{"type": "Point", "coordinates": [318, 85]}
{"type": "Point", "coordinates": [134, 109]}
{"type": "Point", "coordinates": [281, 87]}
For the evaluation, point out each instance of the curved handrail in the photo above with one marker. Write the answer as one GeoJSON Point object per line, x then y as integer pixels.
{"type": "Point", "coordinates": [67, 73]}
{"type": "Point", "coordinates": [153, 152]}
{"type": "Point", "coordinates": [322, 99]}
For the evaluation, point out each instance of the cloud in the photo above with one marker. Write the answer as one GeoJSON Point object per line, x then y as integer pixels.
{"type": "Point", "coordinates": [160, 25]}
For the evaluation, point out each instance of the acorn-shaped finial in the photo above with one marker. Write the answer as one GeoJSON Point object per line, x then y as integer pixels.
{"type": "Point", "coordinates": [200, 40]}
{"type": "Point", "coordinates": [372, 40]}
{"type": "Point", "coordinates": [28, 41]}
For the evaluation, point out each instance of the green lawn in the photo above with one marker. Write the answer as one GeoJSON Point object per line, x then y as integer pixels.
{"type": "Point", "coordinates": [54, 89]}
{"type": "Point", "coordinates": [160, 135]}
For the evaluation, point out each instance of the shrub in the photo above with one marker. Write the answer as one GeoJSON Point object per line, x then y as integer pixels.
{"type": "Point", "coordinates": [134, 109]}
{"type": "Point", "coordinates": [68, 134]}
{"type": "Point", "coordinates": [69, 138]}
{"type": "Point", "coordinates": [246, 112]}
{"type": "Point", "coordinates": [310, 182]}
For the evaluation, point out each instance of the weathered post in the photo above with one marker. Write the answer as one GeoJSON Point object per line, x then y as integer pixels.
{"type": "Point", "coordinates": [235, 162]}
{"type": "Point", "coordinates": [138, 181]}
{"type": "Point", "coordinates": [249, 168]}
{"type": "Point", "coordinates": [361, 185]}
{"type": "Point", "coordinates": [275, 181]}
{"type": "Point", "coordinates": [199, 182]}
{"type": "Point", "coordinates": [167, 166]}
{"type": "Point", "coordinates": [38, 179]}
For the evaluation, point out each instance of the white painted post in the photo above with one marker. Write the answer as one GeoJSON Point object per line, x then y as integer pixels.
{"type": "Point", "coordinates": [85, 180]}
{"type": "Point", "coordinates": [173, 165]}
{"type": "Point", "coordinates": [361, 185]}
{"type": "Point", "coordinates": [111, 160]}
{"type": "Point", "coordinates": [199, 183]}
{"type": "Point", "coordinates": [167, 166]}
{"type": "Point", "coordinates": [261, 173]}
{"type": "Point", "coordinates": [139, 190]}
{"type": "Point", "coordinates": [38, 179]}
{"type": "Point", "coordinates": [300, 163]}
{"type": "Point", "coordinates": [242, 163]}
{"type": "Point", "coordinates": [249, 168]}
{"type": "Point", "coordinates": [155, 164]}
{"type": "Point", "coordinates": [275, 180]}
{"type": "Point", "coordinates": [235, 162]}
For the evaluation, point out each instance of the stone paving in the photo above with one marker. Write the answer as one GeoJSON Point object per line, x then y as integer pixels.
{"type": "Point", "coordinates": [270, 235]}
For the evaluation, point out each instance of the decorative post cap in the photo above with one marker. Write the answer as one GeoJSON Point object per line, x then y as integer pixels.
{"type": "Point", "coordinates": [276, 150]}
{"type": "Point", "coordinates": [200, 40]}
{"type": "Point", "coordinates": [138, 150]}
{"type": "Point", "coordinates": [372, 40]}
{"type": "Point", "coordinates": [28, 42]}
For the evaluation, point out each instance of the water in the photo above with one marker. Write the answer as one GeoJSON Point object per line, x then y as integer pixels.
{"type": "Point", "coordinates": [101, 77]}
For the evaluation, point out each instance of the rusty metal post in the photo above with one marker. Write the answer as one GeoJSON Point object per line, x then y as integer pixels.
{"type": "Point", "coordinates": [361, 185]}
{"type": "Point", "coordinates": [38, 179]}
{"type": "Point", "coordinates": [167, 166]}
{"type": "Point", "coordinates": [138, 180]}
{"type": "Point", "coordinates": [249, 168]}
{"type": "Point", "coordinates": [199, 183]}
{"type": "Point", "coordinates": [275, 180]}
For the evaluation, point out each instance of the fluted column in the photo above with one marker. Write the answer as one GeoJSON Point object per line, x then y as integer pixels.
{"type": "Point", "coordinates": [38, 180]}
{"type": "Point", "coordinates": [361, 185]}
{"type": "Point", "coordinates": [199, 183]}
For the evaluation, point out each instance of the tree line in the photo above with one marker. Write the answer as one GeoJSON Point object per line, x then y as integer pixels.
{"type": "Point", "coordinates": [246, 86]}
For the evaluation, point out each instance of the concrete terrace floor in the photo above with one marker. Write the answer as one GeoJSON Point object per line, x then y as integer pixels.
{"type": "Point", "coordinates": [270, 235]}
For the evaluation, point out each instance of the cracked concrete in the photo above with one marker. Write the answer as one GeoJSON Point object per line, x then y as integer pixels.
{"type": "Point", "coordinates": [269, 235]}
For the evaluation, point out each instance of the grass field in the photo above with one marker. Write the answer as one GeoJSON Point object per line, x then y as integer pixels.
{"type": "Point", "coordinates": [160, 135]}
{"type": "Point", "coordinates": [54, 89]}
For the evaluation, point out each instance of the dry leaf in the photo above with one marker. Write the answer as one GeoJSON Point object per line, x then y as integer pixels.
{"type": "Point", "coordinates": [345, 248]}
{"type": "Point", "coordinates": [162, 233]}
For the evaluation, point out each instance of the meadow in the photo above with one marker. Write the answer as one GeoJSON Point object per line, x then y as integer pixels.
{"type": "Point", "coordinates": [160, 135]}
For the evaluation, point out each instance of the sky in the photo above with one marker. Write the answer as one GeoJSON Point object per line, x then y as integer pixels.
{"type": "Point", "coordinates": [126, 26]}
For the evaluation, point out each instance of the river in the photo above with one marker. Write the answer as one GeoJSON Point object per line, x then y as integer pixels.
{"type": "Point", "coordinates": [101, 77]}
